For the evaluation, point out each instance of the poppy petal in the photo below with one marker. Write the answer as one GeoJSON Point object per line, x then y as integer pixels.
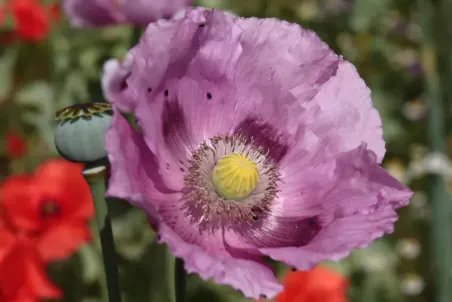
{"type": "Point", "coordinates": [72, 192]}
{"type": "Point", "coordinates": [20, 198]}
{"type": "Point", "coordinates": [23, 275]}
{"type": "Point", "coordinates": [61, 241]}
{"type": "Point", "coordinates": [317, 285]}
{"type": "Point", "coordinates": [39, 282]}
{"type": "Point", "coordinates": [6, 243]}
{"type": "Point", "coordinates": [16, 146]}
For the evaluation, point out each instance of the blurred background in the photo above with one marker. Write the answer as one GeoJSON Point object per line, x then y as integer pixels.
{"type": "Point", "coordinates": [401, 48]}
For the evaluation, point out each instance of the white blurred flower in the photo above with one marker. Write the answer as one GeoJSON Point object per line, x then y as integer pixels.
{"type": "Point", "coordinates": [414, 110]}
{"type": "Point", "coordinates": [376, 263]}
{"type": "Point", "coordinates": [432, 163]}
{"type": "Point", "coordinates": [376, 258]}
{"type": "Point", "coordinates": [438, 163]}
{"type": "Point", "coordinates": [419, 205]}
{"type": "Point", "coordinates": [409, 248]}
{"type": "Point", "coordinates": [412, 284]}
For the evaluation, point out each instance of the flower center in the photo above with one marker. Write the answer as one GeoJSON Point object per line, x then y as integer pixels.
{"type": "Point", "coordinates": [230, 180]}
{"type": "Point", "coordinates": [49, 209]}
{"type": "Point", "coordinates": [235, 176]}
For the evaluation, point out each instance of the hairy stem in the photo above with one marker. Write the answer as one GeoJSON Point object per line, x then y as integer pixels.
{"type": "Point", "coordinates": [96, 178]}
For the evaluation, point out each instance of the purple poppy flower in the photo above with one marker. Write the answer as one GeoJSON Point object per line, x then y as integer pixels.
{"type": "Point", "coordinates": [256, 140]}
{"type": "Point", "coordinates": [93, 13]}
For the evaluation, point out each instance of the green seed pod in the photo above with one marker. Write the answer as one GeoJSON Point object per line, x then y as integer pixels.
{"type": "Point", "coordinates": [80, 134]}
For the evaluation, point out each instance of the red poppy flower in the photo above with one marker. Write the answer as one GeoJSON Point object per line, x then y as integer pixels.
{"type": "Point", "coordinates": [15, 145]}
{"type": "Point", "coordinates": [317, 285]}
{"type": "Point", "coordinates": [53, 205]}
{"type": "Point", "coordinates": [31, 18]}
{"type": "Point", "coordinates": [23, 278]}
{"type": "Point", "coordinates": [2, 15]}
{"type": "Point", "coordinates": [55, 12]}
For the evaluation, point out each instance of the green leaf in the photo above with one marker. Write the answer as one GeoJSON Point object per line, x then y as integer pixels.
{"type": "Point", "coordinates": [365, 12]}
{"type": "Point", "coordinates": [39, 111]}
{"type": "Point", "coordinates": [91, 262]}
{"type": "Point", "coordinates": [7, 61]}
{"type": "Point", "coordinates": [88, 61]}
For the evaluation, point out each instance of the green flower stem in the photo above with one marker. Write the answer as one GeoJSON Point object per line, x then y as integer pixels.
{"type": "Point", "coordinates": [174, 275]}
{"type": "Point", "coordinates": [169, 273]}
{"type": "Point", "coordinates": [180, 280]}
{"type": "Point", "coordinates": [441, 204]}
{"type": "Point", "coordinates": [444, 37]}
{"type": "Point", "coordinates": [96, 178]}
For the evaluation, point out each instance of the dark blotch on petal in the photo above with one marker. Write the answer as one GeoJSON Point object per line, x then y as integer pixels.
{"type": "Point", "coordinates": [202, 25]}
{"type": "Point", "coordinates": [209, 96]}
{"type": "Point", "coordinates": [285, 232]}
{"type": "Point", "coordinates": [301, 231]}
{"type": "Point", "coordinates": [166, 92]}
{"type": "Point", "coordinates": [265, 136]}
{"type": "Point", "coordinates": [50, 209]}
{"type": "Point", "coordinates": [174, 125]}
{"type": "Point", "coordinates": [149, 89]}
{"type": "Point", "coordinates": [124, 84]}
{"type": "Point", "coordinates": [312, 221]}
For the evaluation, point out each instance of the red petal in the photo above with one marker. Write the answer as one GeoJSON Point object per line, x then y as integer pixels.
{"type": "Point", "coordinates": [2, 15]}
{"type": "Point", "coordinates": [21, 202]}
{"type": "Point", "coordinates": [15, 145]}
{"type": "Point", "coordinates": [327, 280]}
{"type": "Point", "coordinates": [62, 181]}
{"type": "Point", "coordinates": [38, 280]}
{"type": "Point", "coordinates": [25, 295]}
{"type": "Point", "coordinates": [317, 285]}
{"type": "Point", "coordinates": [61, 241]}
{"type": "Point", "coordinates": [32, 21]}
{"type": "Point", "coordinates": [55, 12]}
{"type": "Point", "coordinates": [23, 274]}
{"type": "Point", "coordinates": [58, 184]}
{"type": "Point", "coordinates": [7, 241]}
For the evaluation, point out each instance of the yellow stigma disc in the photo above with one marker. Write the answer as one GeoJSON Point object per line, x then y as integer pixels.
{"type": "Point", "coordinates": [235, 176]}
